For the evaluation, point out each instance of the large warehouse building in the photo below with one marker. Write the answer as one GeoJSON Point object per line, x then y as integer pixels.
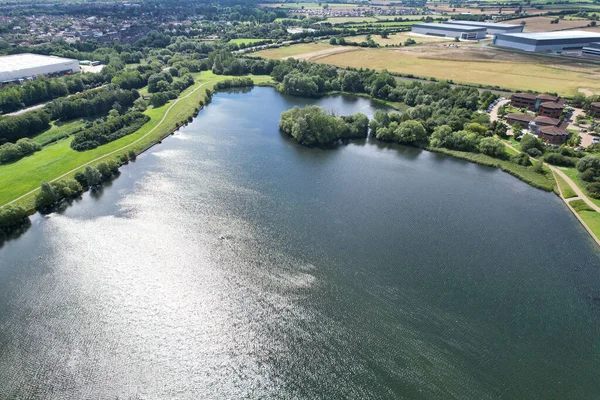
{"type": "Point", "coordinates": [546, 41]}
{"type": "Point", "coordinates": [448, 30]}
{"type": "Point", "coordinates": [24, 66]}
{"type": "Point", "coordinates": [592, 49]}
{"type": "Point", "coordinates": [491, 28]}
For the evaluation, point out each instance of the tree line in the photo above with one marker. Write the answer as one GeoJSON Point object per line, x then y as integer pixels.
{"type": "Point", "coordinates": [109, 129]}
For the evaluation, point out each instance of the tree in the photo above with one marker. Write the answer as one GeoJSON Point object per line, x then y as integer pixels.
{"type": "Point", "coordinates": [531, 142]}
{"type": "Point", "coordinates": [11, 216]}
{"type": "Point", "coordinates": [411, 132]}
{"type": "Point", "coordinates": [492, 147]}
{"type": "Point", "coordinates": [93, 177]}
{"type": "Point", "coordinates": [46, 198]}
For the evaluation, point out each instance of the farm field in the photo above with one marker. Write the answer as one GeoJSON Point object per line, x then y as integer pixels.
{"type": "Point", "coordinates": [296, 50]}
{"type": "Point", "coordinates": [346, 20]}
{"type": "Point", "coordinates": [398, 38]}
{"type": "Point", "coordinates": [468, 64]}
{"type": "Point", "coordinates": [542, 24]}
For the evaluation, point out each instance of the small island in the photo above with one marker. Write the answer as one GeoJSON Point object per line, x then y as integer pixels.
{"type": "Point", "coordinates": [312, 126]}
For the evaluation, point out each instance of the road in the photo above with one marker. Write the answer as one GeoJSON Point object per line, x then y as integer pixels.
{"type": "Point", "coordinates": [112, 152]}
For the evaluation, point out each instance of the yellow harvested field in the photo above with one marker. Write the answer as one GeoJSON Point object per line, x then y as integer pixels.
{"type": "Point", "coordinates": [542, 24]}
{"type": "Point", "coordinates": [294, 50]}
{"type": "Point", "coordinates": [465, 64]}
{"type": "Point", "coordinates": [398, 38]}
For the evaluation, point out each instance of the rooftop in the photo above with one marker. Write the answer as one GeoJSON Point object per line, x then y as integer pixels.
{"type": "Point", "coordinates": [525, 95]}
{"type": "Point", "coordinates": [553, 131]}
{"type": "Point", "coordinates": [554, 35]}
{"type": "Point", "coordinates": [488, 24]}
{"type": "Point", "coordinates": [450, 27]}
{"type": "Point", "coordinates": [551, 104]}
{"type": "Point", "coordinates": [520, 117]}
{"type": "Point", "coordinates": [28, 60]}
{"type": "Point", "coordinates": [547, 120]}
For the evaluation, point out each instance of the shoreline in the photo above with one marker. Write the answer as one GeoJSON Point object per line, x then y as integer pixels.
{"type": "Point", "coordinates": [474, 158]}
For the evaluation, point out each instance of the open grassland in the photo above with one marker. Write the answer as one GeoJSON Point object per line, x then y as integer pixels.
{"type": "Point", "coordinates": [297, 50]}
{"type": "Point", "coordinates": [346, 20]}
{"type": "Point", "coordinates": [246, 41]}
{"type": "Point", "coordinates": [397, 38]}
{"type": "Point", "coordinates": [565, 188]}
{"type": "Point", "coordinates": [473, 64]}
{"type": "Point", "coordinates": [542, 24]}
{"type": "Point", "coordinates": [55, 160]}
{"type": "Point", "coordinates": [58, 131]}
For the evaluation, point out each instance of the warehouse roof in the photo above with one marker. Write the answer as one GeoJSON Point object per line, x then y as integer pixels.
{"type": "Point", "coordinates": [484, 24]}
{"type": "Point", "coordinates": [594, 45]}
{"type": "Point", "coordinates": [450, 27]}
{"type": "Point", "coordinates": [28, 60]}
{"type": "Point", "coordinates": [553, 35]}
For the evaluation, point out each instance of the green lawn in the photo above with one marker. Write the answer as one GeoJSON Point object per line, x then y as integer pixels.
{"type": "Point", "coordinates": [59, 130]}
{"type": "Point", "coordinates": [589, 216]}
{"type": "Point", "coordinates": [246, 41]}
{"type": "Point", "coordinates": [565, 188]}
{"type": "Point", "coordinates": [53, 161]}
{"type": "Point", "coordinates": [574, 175]}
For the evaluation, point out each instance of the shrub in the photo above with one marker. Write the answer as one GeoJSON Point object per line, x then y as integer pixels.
{"type": "Point", "coordinates": [558, 159]}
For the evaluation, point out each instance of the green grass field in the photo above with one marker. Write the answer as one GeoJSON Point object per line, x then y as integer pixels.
{"type": "Point", "coordinates": [565, 188]}
{"type": "Point", "coordinates": [57, 159]}
{"type": "Point", "coordinates": [574, 175]}
{"type": "Point", "coordinates": [246, 41]}
{"type": "Point", "coordinates": [589, 216]}
{"type": "Point", "coordinates": [58, 131]}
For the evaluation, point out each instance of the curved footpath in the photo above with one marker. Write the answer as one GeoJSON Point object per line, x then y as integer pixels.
{"type": "Point", "coordinates": [114, 151]}
{"type": "Point", "coordinates": [556, 171]}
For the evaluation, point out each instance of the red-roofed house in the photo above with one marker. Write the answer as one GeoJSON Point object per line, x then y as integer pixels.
{"type": "Point", "coordinates": [552, 134]}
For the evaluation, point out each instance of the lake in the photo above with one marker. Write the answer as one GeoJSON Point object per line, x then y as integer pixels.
{"type": "Point", "coordinates": [230, 262]}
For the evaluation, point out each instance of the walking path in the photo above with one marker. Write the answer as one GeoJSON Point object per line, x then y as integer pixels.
{"type": "Point", "coordinates": [556, 171]}
{"type": "Point", "coordinates": [114, 151]}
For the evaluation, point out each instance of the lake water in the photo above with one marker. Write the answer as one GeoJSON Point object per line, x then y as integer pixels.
{"type": "Point", "coordinates": [230, 262]}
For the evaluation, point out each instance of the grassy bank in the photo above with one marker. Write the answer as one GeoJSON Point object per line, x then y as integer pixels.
{"type": "Point", "coordinates": [565, 188]}
{"type": "Point", "coordinates": [54, 161]}
{"type": "Point", "coordinates": [589, 216]}
{"type": "Point", "coordinates": [574, 175]}
{"type": "Point", "coordinates": [526, 174]}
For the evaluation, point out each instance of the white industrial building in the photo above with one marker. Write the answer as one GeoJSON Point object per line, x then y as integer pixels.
{"type": "Point", "coordinates": [449, 30]}
{"type": "Point", "coordinates": [491, 28]}
{"type": "Point", "coordinates": [592, 49]}
{"type": "Point", "coordinates": [546, 41]}
{"type": "Point", "coordinates": [24, 66]}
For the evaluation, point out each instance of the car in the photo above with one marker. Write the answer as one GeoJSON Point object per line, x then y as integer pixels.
{"type": "Point", "coordinates": [596, 140]}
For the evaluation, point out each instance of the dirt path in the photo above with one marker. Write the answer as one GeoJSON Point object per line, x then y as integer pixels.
{"type": "Point", "coordinates": [114, 151]}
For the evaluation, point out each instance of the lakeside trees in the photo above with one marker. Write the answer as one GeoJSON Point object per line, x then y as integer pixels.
{"type": "Point", "coordinates": [108, 130]}
{"type": "Point", "coordinates": [312, 126]}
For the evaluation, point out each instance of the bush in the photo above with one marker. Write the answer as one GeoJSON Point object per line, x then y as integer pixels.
{"type": "Point", "coordinates": [111, 129]}
{"type": "Point", "coordinates": [521, 159]}
{"type": "Point", "coordinates": [533, 152]}
{"type": "Point", "coordinates": [12, 216]}
{"type": "Point", "coordinates": [492, 147]}
{"type": "Point", "coordinates": [531, 142]}
{"type": "Point", "coordinates": [558, 159]}
{"type": "Point", "coordinates": [594, 190]}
